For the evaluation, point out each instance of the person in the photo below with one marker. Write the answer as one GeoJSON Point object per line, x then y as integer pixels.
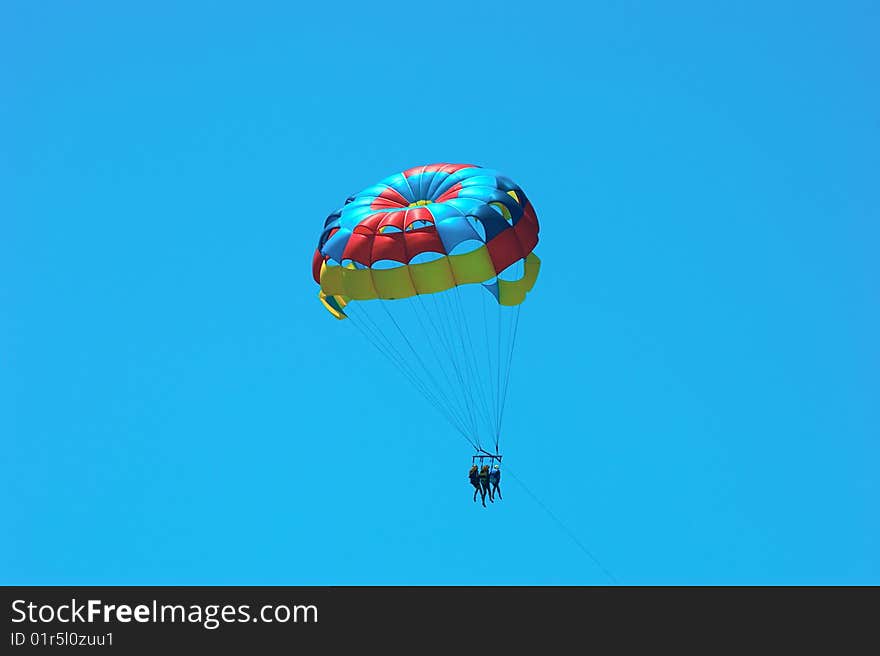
{"type": "Point", "coordinates": [484, 483]}
{"type": "Point", "coordinates": [494, 480]}
{"type": "Point", "coordinates": [474, 478]}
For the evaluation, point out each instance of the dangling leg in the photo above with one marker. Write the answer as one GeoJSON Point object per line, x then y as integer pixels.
{"type": "Point", "coordinates": [497, 491]}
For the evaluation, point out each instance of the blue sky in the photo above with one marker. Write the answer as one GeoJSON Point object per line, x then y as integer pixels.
{"type": "Point", "coordinates": [694, 391]}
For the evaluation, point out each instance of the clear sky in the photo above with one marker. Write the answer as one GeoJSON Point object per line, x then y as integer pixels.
{"type": "Point", "coordinates": [695, 388]}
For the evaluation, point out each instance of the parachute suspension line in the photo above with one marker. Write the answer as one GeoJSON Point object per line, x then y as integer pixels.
{"type": "Point", "coordinates": [376, 336]}
{"type": "Point", "coordinates": [466, 393]}
{"type": "Point", "coordinates": [456, 331]}
{"type": "Point", "coordinates": [498, 374]}
{"type": "Point", "coordinates": [411, 347]}
{"type": "Point", "coordinates": [428, 382]}
{"type": "Point", "coordinates": [509, 364]}
{"type": "Point", "coordinates": [486, 377]}
{"type": "Point", "coordinates": [565, 528]}
{"type": "Point", "coordinates": [388, 351]}
{"type": "Point", "coordinates": [492, 391]}
{"type": "Point", "coordinates": [500, 352]}
{"type": "Point", "coordinates": [394, 356]}
{"type": "Point", "coordinates": [475, 385]}
{"type": "Point", "coordinates": [428, 326]}
{"type": "Point", "coordinates": [439, 389]}
{"type": "Point", "coordinates": [471, 358]}
{"type": "Point", "coordinates": [452, 359]}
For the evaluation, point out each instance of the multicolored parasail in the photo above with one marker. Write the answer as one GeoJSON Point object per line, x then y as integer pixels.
{"type": "Point", "coordinates": [402, 259]}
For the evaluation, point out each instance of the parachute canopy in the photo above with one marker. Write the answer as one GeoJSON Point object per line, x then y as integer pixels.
{"type": "Point", "coordinates": [425, 231]}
